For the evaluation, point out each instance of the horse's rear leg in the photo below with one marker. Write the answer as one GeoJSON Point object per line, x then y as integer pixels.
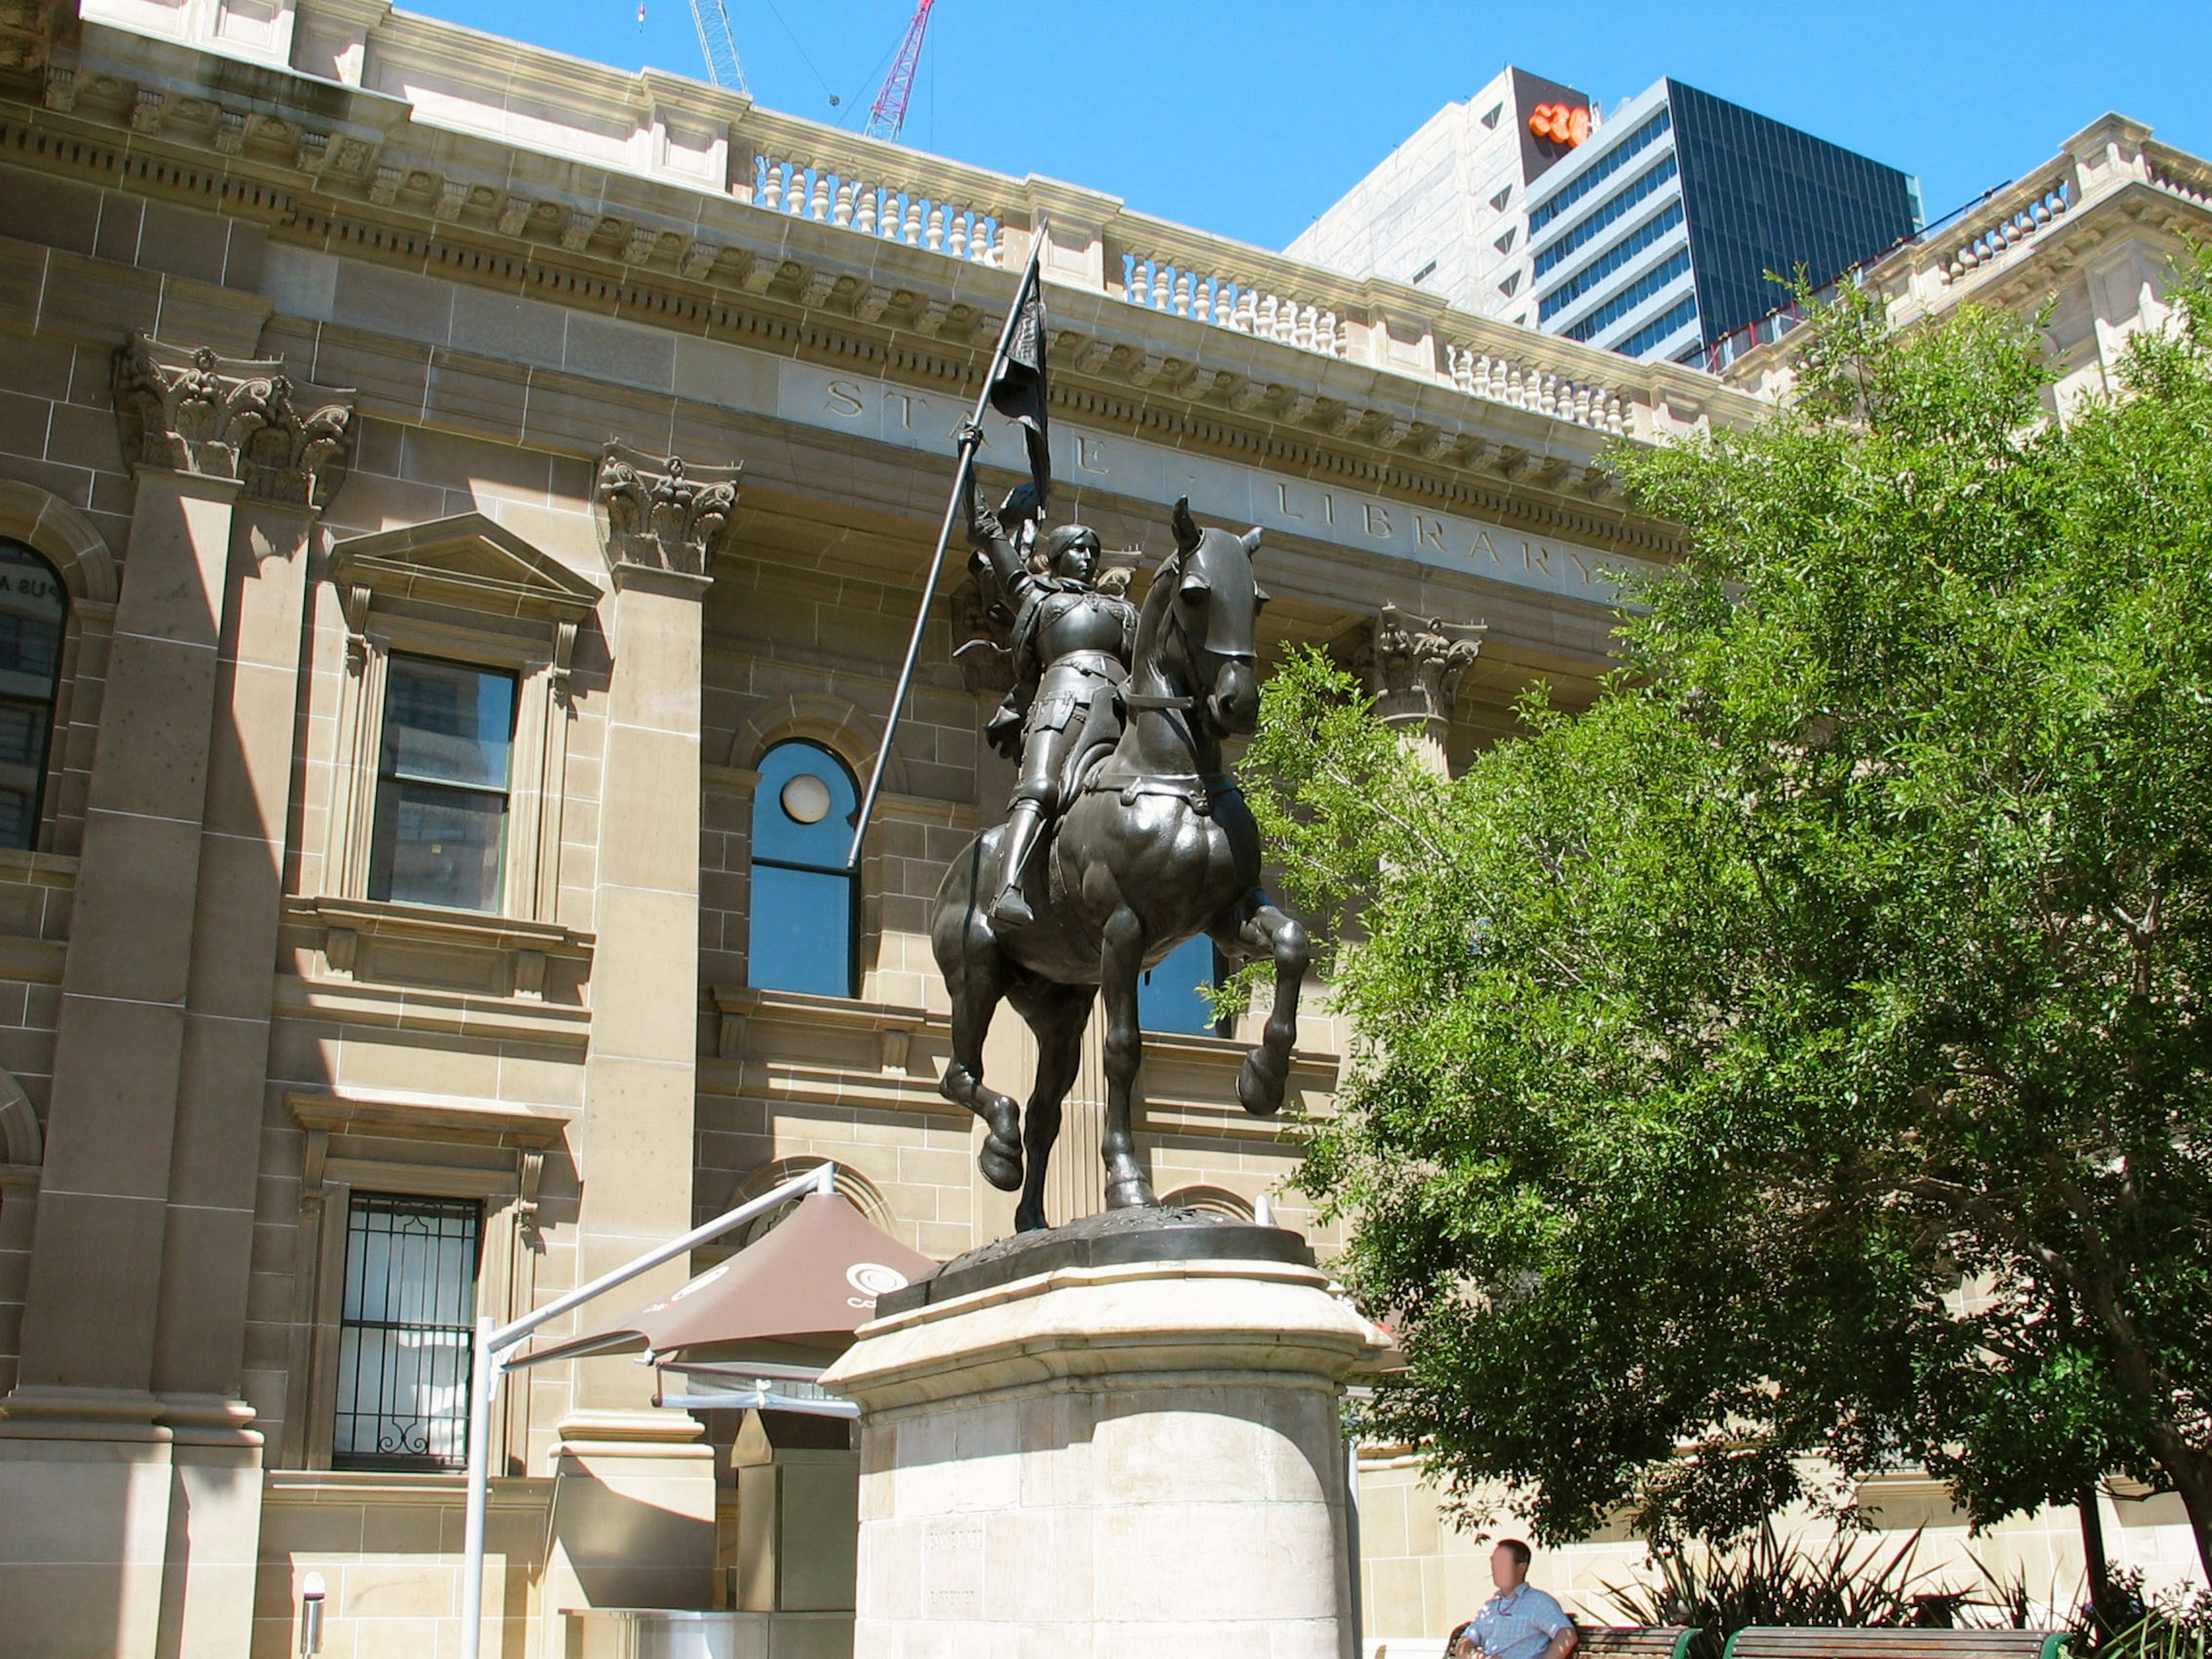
{"type": "Point", "coordinates": [976, 990]}
{"type": "Point", "coordinates": [1265, 930]}
{"type": "Point", "coordinates": [1120, 960]}
{"type": "Point", "coordinates": [1058, 1016]}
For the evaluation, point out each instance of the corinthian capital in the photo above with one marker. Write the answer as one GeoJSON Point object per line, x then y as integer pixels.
{"type": "Point", "coordinates": [191, 411]}
{"type": "Point", "coordinates": [659, 517]}
{"type": "Point", "coordinates": [1412, 665]}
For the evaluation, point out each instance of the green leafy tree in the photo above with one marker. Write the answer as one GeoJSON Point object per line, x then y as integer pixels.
{"type": "Point", "coordinates": [1800, 1057]}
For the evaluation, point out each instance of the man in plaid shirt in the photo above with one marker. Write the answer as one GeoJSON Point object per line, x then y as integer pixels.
{"type": "Point", "coordinates": [1520, 1621]}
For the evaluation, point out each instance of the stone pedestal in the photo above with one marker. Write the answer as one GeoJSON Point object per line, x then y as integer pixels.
{"type": "Point", "coordinates": [1136, 1454]}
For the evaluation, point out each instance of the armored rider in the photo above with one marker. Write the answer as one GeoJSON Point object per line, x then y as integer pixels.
{"type": "Point", "coordinates": [1071, 642]}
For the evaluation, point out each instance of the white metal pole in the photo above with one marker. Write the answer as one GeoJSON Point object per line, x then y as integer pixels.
{"type": "Point", "coordinates": [482, 1368]}
{"type": "Point", "coordinates": [489, 1359]}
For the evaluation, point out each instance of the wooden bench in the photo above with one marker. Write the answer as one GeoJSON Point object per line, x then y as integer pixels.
{"type": "Point", "coordinates": [1635, 1641]}
{"type": "Point", "coordinates": [1825, 1642]}
{"type": "Point", "coordinates": [1602, 1642]}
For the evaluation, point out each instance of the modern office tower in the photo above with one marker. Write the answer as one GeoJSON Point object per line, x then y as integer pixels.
{"type": "Point", "coordinates": [1446, 210]}
{"type": "Point", "coordinates": [1658, 238]}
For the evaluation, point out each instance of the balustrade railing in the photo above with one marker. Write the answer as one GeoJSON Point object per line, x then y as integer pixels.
{"type": "Point", "coordinates": [1543, 392]}
{"type": "Point", "coordinates": [914, 214]}
{"type": "Point", "coordinates": [802, 170]}
{"type": "Point", "coordinates": [1160, 281]}
{"type": "Point", "coordinates": [2179, 174]}
{"type": "Point", "coordinates": [2049, 198]}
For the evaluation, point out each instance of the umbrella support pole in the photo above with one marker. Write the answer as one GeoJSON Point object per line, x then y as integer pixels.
{"type": "Point", "coordinates": [493, 1344]}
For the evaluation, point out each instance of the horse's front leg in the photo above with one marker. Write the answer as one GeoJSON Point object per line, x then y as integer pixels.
{"type": "Point", "coordinates": [1058, 1017]}
{"type": "Point", "coordinates": [1267, 931]}
{"type": "Point", "coordinates": [1120, 961]}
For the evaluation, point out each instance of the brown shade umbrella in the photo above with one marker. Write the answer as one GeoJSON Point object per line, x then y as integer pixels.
{"type": "Point", "coordinates": [793, 1298]}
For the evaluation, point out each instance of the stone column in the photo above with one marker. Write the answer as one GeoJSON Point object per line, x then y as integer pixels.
{"type": "Point", "coordinates": [1119, 1458]}
{"type": "Point", "coordinates": [289, 468]}
{"type": "Point", "coordinates": [633, 1509]}
{"type": "Point", "coordinates": [86, 1501]}
{"type": "Point", "coordinates": [1412, 665]}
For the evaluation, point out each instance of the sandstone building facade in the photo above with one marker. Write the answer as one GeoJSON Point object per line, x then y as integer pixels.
{"type": "Point", "coordinates": [448, 494]}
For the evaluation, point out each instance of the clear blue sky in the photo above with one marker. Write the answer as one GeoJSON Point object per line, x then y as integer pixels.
{"type": "Point", "coordinates": [1249, 118]}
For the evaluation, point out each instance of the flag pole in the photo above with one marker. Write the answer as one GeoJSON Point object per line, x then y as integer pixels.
{"type": "Point", "coordinates": [960, 482]}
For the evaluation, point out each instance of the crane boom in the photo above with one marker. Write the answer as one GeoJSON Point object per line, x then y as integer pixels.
{"type": "Point", "coordinates": [718, 45]}
{"type": "Point", "coordinates": [887, 116]}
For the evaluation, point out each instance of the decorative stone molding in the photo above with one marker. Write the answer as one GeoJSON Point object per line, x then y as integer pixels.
{"type": "Point", "coordinates": [189, 409]}
{"type": "Point", "coordinates": [1412, 665]}
{"type": "Point", "coordinates": [467, 562]}
{"type": "Point", "coordinates": [659, 518]}
{"type": "Point", "coordinates": [63, 535]}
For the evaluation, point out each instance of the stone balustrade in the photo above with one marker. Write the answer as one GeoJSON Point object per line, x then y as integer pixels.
{"type": "Point", "coordinates": [1215, 285]}
{"type": "Point", "coordinates": [2009, 220]}
{"type": "Point", "coordinates": [1526, 385]}
{"type": "Point", "coordinates": [875, 188]}
{"type": "Point", "coordinates": [666, 178]}
{"type": "Point", "coordinates": [2177, 174]}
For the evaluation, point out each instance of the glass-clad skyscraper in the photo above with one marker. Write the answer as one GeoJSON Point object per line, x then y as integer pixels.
{"type": "Point", "coordinates": [1655, 238]}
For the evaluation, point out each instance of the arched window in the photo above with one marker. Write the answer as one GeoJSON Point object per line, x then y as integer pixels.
{"type": "Point", "coordinates": [33, 605]}
{"type": "Point", "coordinates": [802, 897]}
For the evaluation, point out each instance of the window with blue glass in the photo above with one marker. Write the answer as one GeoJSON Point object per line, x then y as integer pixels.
{"type": "Point", "coordinates": [1678, 316]}
{"type": "Point", "coordinates": [1613, 259]}
{"type": "Point", "coordinates": [1169, 994]}
{"type": "Point", "coordinates": [442, 783]}
{"type": "Point", "coordinates": [803, 896]}
{"type": "Point", "coordinates": [1630, 297]}
{"type": "Point", "coordinates": [34, 606]}
{"type": "Point", "coordinates": [1602, 220]}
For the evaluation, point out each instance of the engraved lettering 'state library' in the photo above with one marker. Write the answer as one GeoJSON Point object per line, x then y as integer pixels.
{"type": "Point", "coordinates": [461, 513]}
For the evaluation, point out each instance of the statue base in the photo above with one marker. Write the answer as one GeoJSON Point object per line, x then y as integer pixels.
{"type": "Point", "coordinates": [1117, 1437]}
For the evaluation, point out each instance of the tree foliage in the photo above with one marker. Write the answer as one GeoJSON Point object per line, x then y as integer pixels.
{"type": "Point", "coordinates": [1802, 1054]}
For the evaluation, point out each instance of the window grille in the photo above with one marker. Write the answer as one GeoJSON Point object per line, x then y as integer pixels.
{"type": "Point", "coordinates": [405, 1332]}
{"type": "Point", "coordinates": [442, 785]}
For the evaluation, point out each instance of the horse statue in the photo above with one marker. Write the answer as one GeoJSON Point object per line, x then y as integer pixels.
{"type": "Point", "coordinates": [1155, 846]}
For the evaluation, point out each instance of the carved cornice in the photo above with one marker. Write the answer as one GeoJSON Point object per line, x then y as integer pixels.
{"type": "Point", "coordinates": [885, 315]}
{"type": "Point", "coordinates": [188, 409]}
{"type": "Point", "coordinates": [659, 518]}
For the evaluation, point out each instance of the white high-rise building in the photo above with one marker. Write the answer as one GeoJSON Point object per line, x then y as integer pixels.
{"type": "Point", "coordinates": [1445, 211]}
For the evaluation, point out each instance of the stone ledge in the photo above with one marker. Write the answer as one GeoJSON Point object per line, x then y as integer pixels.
{"type": "Point", "coordinates": [1109, 1326]}
{"type": "Point", "coordinates": [446, 1118]}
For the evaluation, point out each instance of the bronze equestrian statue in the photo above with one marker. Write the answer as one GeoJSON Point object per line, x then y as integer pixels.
{"type": "Point", "coordinates": [1153, 843]}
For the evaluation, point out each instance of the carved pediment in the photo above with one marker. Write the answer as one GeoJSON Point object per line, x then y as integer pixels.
{"type": "Point", "coordinates": [468, 562]}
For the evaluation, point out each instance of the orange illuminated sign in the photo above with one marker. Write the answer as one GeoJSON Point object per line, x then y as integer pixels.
{"type": "Point", "coordinates": [1563, 124]}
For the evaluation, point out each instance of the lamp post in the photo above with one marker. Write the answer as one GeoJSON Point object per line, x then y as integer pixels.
{"type": "Point", "coordinates": [311, 1614]}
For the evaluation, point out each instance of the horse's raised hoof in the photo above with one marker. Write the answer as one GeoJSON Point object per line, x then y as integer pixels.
{"type": "Point", "coordinates": [1260, 1085]}
{"type": "Point", "coordinates": [1134, 1194]}
{"type": "Point", "coordinates": [1001, 1165]}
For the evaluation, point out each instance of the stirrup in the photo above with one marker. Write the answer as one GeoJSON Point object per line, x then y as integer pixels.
{"type": "Point", "coordinates": [1012, 910]}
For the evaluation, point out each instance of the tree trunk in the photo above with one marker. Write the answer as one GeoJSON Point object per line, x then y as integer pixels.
{"type": "Point", "coordinates": [2190, 1471]}
{"type": "Point", "coordinates": [2098, 1565]}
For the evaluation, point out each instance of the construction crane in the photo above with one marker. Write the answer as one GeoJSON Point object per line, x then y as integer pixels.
{"type": "Point", "coordinates": [887, 115]}
{"type": "Point", "coordinates": [717, 44]}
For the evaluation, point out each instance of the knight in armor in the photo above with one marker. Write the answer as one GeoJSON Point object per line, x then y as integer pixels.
{"type": "Point", "coordinates": [1072, 643]}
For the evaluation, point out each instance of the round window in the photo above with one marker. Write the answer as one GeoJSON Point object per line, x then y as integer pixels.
{"type": "Point", "coordinates": [805, 798]}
